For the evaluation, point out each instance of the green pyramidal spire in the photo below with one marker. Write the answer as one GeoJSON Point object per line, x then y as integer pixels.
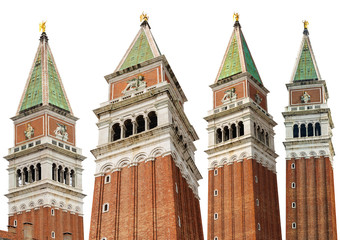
{"type": "Point", "coordinates": [143, 48]}
{"type": "Point", "coordinates": [305, 67]}
{"type": "Point", "coordinates": [44, 86]}
{"type": "Point", "coordinates": [237, 58]}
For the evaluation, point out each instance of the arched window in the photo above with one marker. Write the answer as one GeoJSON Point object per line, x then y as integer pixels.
{"type": "Point", "coordinates": [218, 135]}
{"type": "Point", "coordinates": [233, 130]}
{"type": "Point", "coordinates": [116, 132]}
{"type": "Point", "coordinates": [38, 172]}
{"type": "Point", "coordinates": [295, 131]}
{"type": "Point", "coordinates": [25, 178]}
{"type": "Point", "coordinates": [317, 129]}
{"type": "Point", "coordinates": [262, 136]}
{"type": "Point", "coordinates": [60, 175]}
{"type": "Point", "coordinates": [54, 172]}
{"type": "Point", "coordinates": [267, 139]}
{"type": "Point", "coordinates": [294, 225]}
{"type": "Point", "coordinates": [72, 179]}
{"type": "Point", "coordinates": [106, 207]}
{"type": "Point", "coordinates": [310, 130]}
{"type": "Point", "coordinates": [140, 124]}
{"type": "Point", "coordinates": [241, 128]}
{"type": "Point", "coordinates": [258, 132]}
{"type": "Point", "coordinates": [254, 129]}
{"type": "Point", "coordinates": [128, 128]}
{"type": "Point", "coordinates": [226, 133]}
{"type": "Point", "coordinates": [107, 179]}
{"type": "Point", "coordinates": [19, 178]}
{"type": "Point", "coordinates": [303, 130]}
{"type": "Point", "coordinates": [32, 174]}
{"type": "Point", "coordinates": [153, 120]}
{"type": "Point", "coordinates": [66, 176]}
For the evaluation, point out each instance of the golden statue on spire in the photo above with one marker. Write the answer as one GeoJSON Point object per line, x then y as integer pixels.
{"type": "Point", "coordinates": [42, 26]}
{"type": "Point", "coordinates": [236, 16]}
{"type": "Point", "coordinates": [305, 24]}
{"type": "Point", "coordinates": [144, 17]}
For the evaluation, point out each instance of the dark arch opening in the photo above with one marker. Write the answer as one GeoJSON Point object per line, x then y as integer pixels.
{"type": "Point", "coordinates": [140, 124]}
{"type": "Point", "coordinates": [226, 133]}
{"type": "Point", "coordinates": [153, 119]}
{"type": "Point", "coordinates": [317, 129]}
{"type": "Point", "coordinates": [72, 179]}
{"type": "Point", "coordinates": [233, 130]}
{"type": "Point", "coordinates": [218, 135]}
{"type": "Point", "coordinates": [128, 128]}
{"type": "Point", "coordinates": [66, 176]}
{"type": "Point", "coordinates": [54, 177]}
{"type": "Point", "coordinates": [59, 174]}
{"type": "Point", "coordinates": [25, 176]}
{"type": "Point", "coordinates": [38, 171]}
{"type": "Point", "coordinates": [303, 130]}
{"type": "Point", "coordinates": [19, 178]}
{"type": "Point", "coordinates": [241, 128]}
{"type": "Point", "coordinates": [295, 131]}
{"type": "Point", "coordinates": [310, 130]}
{"type": "Point", "coordinates": [267, 139]}
{"type": "Point", "coordinates": [116, 132]}
{"type": "Point", "coordinates": [32, 172]}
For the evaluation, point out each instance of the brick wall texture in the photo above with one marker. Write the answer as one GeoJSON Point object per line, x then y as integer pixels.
{"type": "Point", "coordinates": [239, 214]}
{"type": "Point", "coordinates": [144, 203]}
{"type": "Point", "coordinates": [314, 212]}
{"type": "Point", "coordinates": [44, 223]}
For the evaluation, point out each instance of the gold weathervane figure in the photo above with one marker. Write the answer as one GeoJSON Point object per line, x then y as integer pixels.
{"type": "Point", "coordinates": [236, 16]}
{"type": "Point", "coordinates": [144, 17]}
{"type": "Point", "coordinates": [305, 24]}
{"type": "Point", "coordinates": [42, 26]}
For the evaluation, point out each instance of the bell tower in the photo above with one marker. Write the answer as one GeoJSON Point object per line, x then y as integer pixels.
{"type": "Point", "coordinates": [310, 200]}
{"type": "Point", "coordinates": [242, 195]}
{"type": "Point", "coordinates": [146, 181]}
{"type": "Point", "coordinates": [45, 165]}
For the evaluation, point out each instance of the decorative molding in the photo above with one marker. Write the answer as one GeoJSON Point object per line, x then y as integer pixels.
{"type": "Point", "coordinates": [107, 166]}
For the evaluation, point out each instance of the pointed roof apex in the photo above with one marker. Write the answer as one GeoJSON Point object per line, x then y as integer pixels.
{"type": "Point", "coordinates": [44, 85]}
{"type": "Point", "coordinates": [142, 48]}
{"type": "Point", "coordinates": [237, 58]}
{"type": "Point", "coordinates": [305, 66]}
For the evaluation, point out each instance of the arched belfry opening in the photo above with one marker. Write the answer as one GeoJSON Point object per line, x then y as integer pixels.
{"type": "Point", "coordinates": [153, 121]}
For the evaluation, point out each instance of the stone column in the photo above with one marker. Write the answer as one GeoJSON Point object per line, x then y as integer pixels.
{"type": "Point", "coordinates": [55, 173]}
{"type": "Point", "coordinates": [222, 130]}
{"type": "Point", "coordinates": [147, 120]}
{"type": "Point", "coordinates": [134, 127]}
{"type": "Point", "coordinates": [62, 176]}
{"type": "Point", "coordinates": [68, 177]}
{"type": "Point", "coordinates": [122, 131]}
{"type": "Point", "coordinates": [23, 177]}
{"type": "Point", "coordinates": [29, 175]}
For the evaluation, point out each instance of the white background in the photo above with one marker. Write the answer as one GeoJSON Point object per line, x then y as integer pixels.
{"type": "Point", "coordinates": [88, 39]}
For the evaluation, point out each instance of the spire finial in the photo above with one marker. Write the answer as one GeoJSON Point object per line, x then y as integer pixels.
{"type": "Point", "coordinates": [305, 25]}
{"type": "Point", "coordinates": [236, 17]}
{"type": "Point", "coordinates": [144, 17]}
{"type": "Point", "coordinates": [42, 26]}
